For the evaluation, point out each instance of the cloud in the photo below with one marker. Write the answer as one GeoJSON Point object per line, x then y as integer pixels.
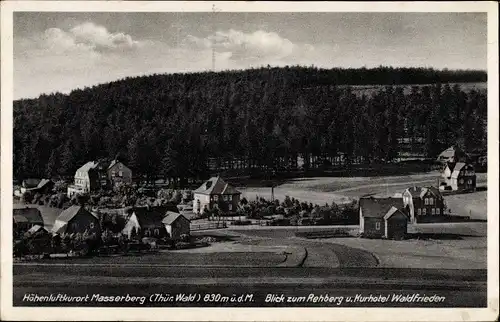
{"type": "Point", "coordinates": [256, 46]}
{"type": "Point", "coordinates": [88, 54]}
{"type": "Point", "coordinates": [100, 39]}
{"type": "Point", "coordinates": [84, 38]}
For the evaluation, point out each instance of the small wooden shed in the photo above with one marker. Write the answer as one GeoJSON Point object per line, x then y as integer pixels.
{"type": "Point", "coordinates": [176, 225]}
{"type": "Point", "coordinates": [383, 218]}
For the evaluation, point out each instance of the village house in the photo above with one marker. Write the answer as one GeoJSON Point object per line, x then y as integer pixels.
{"type": "Point", "coordinates": [96, 175]}
{"type": "Point", "coordinates": [176, 225]}
{"type": "Point", "coordinates": [382, 218]}
{"type": "Point", "coordinates": [26, 218]}
{"type": "Point", "coordinates": [422, 202]}
{"type": "Point", "coordinates": [216, 191]}
{"type": "Point", "coordinates": [28, 184]}
{"type": "Point", "coordinates": [76, 219]}
{"type": "Point", "coordinates": [458, 176]}
{"type": "Point", "coordinates": [43, 186]}
{"type": "Point", "coordinates": [86, 179]}
{"type": "Point", "coordinates": [118, 172]}
{"type": "Point", "coordinates": [145, 222]}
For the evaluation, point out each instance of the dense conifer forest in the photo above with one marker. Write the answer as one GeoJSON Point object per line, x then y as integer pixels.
{"type": "Point", "coordinates": [171, 125]}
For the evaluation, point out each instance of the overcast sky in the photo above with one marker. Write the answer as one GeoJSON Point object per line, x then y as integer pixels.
{"type": "Point", "coordinates": [64, 51]}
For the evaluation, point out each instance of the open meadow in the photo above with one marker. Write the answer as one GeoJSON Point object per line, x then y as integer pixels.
{"type": "Point", "coordinates": [320, 190]}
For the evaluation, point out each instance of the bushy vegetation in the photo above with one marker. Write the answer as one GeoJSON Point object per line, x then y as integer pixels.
{"type": "Point", "coordinates": [293, 212]}
{"type": "Point", "coordinates": [173, 125]}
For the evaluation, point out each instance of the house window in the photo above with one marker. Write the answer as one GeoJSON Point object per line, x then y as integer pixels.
{"type": "Point", "coordinates": [224, 197]}
{"type": "Point", "coordinates": [216, 198]}
{"type": "Point", "coordinates": [438, 211]}
{"type": "Point", "coordinates": [377, 226]}
{"type": "Point", "coordinates": [91, 225]}
{"type": "Point", "coordinates": [113, 173]}
{"type": "Point", "coordinates": [431, 201]}
{"type": "Point", "coordinates": [433, 211]}
{"type": "Point", "coordinates": [230, 197]}
{"type": "Point", "coordinates": [419, 211]}
{"type": "Point", "coordinates": [426, 200]}
{"type": "Point", "coordinates": [230, 207]}
{"type": "Point", "coordinates": [157, 232]}
{"type": "Point", "coordinates": [469, 181]}
{"type": "Point", "coordinates": [424, 211]}
{"type": "Point", "coordinates": [120, 173]}
{"type": "Point", "coordinates": [461, 181]}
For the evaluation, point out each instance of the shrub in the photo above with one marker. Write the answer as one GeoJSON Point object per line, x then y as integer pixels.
{"type": "Point", "coordinates": [60, 186]}
{"type": "Point", "coordinates": [183, 245]}
{"type": "Point", "coordinates": [27, 197]}
{"type": "Point", "coordinates": [242, 222]}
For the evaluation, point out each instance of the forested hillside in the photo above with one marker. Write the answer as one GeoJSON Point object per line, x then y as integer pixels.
{"type": "Point", "coordinates": [172, 124]}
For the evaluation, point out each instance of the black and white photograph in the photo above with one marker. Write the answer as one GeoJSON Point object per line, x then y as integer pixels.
{"type": "Point", "coordinates": [226, 155]}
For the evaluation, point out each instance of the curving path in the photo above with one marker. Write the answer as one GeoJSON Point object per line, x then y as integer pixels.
{"type": "Point", "coordinates": [318, 254]}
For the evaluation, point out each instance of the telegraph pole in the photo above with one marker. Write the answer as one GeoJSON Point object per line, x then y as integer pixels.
{"type": "Point", "coordinates": [213, 37]}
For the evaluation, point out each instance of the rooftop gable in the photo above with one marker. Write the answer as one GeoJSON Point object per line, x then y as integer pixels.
{"type": "Point", "coordinates": [72, 211]}
{"type": "Point", "coordinates": [171, 217]}
{"type": "Point", "coordinates": [87, 166]}
{"type": "Point", "coordinates": [31, 215]}
{"type": "Point", "coordinates": [216, 186]}
{"type": "Point", "coordinates": [378, 207]}
{"type": "Point", "coordinates": [148, 216]}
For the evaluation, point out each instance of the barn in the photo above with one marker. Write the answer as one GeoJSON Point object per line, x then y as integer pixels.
{"type": "Point", "coordinates": [383, 218]}
{"type": "Point", "coordinates": [76, 219]}
{"type": "Point", "coordinates": [176, 225]}
{"type": "Point", "coordinates": [25, 218]}
{"type": "Point", "coordinates": [145, 222]}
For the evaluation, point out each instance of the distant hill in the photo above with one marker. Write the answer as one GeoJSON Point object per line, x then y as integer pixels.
{"type": "Point", "coordinates": [174, 124]}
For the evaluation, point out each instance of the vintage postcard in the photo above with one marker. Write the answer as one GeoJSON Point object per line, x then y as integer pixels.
{"type": "Point", "coordinates": [283, 161]}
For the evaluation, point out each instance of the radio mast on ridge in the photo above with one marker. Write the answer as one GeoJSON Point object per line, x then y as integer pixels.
{"type": "Point", "coordinates": [213, 37]}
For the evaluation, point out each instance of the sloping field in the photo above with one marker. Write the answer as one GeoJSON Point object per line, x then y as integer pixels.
{"type": "Point", "coordinates": [454, 246]}
{"type": "Point", "coordinates": [344, 189]}
{"type": "Point", "coordinates": [474, 205]}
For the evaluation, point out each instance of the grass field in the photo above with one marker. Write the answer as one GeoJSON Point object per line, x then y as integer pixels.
{"type": "Point", "coordinates": [246, 258]}
{"type": "Point", "coordinates": [344, 189]}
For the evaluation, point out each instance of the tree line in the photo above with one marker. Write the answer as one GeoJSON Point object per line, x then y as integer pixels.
{"type": "Point", "coordinates": [171, 125]}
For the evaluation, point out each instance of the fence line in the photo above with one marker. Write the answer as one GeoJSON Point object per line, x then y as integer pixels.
{"type": "Point", "coordinates": [206, 226]}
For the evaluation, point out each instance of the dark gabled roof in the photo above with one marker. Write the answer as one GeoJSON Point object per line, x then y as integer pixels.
{"type": "Point", "coordinates": [172, 217]}
{"type": "Point", "coordinates": [33, 230]}
{"type": "Point", "coordinates": [149, 216]}
{"type": "Point", "coordinates": [451, 152]}
{"type": "Point", "coordinates": [378, 207]}
{"type": "Point", "coordinates": [112, 163]}
{"type": "Point", "coordinates": [30, 183]}
{"type": "Point", "coordinates": [415, 191]}
{"type": "Point", "coordinates": [435, 191]}
{"type": "Point", "coordinates": [421, 191]}
{"type": "Point", "coordinates": [392, 211]}
{"type": "Point", "coordinates": [31, 215]}
{"type": "Point", "coordinates": [71, 212]}
{"type": "Point", "coordinates": [44, 182]}
{"type": "Point", "coordinates": [216, 186]}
